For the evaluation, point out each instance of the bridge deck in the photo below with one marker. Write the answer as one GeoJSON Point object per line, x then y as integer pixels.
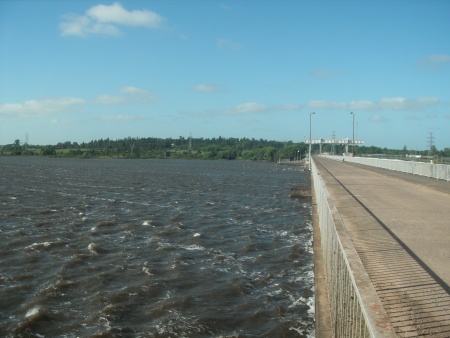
{"type": "Point", "coordinates": [400, 226]}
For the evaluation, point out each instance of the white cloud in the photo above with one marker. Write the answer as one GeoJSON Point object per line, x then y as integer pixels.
{"type": "Point", "coordinates": [246, 109]}
{"type": "Point", "coordinates": [133, 90]}
{"type": "Point", "coordinates": [384, 104]}
{"type": "Point", "coordinates": [362, 105]}
{"type": "Point", "coordinates": [109, 99]}
{"type": "Point", "coordinates": [394, 103]}
{"type": "Point", "coordinates": [74, 25]}
{"type": "Point", "coordinates": [421, 117]}
{"type": "Point", "coordinates": [80, 25]}
{"type": "Point", "coordinates": [241, 109]}
{"type": "Point", "coordinates": [227, 44]}
{"type": "Point", "coordinates": [131, 95]}
{"type": "Point", "coordinates": [435, 61]}
{"type": "Point", "coordinates": [352, 105]}
{"type": "Point", "coordinates": [206, 88]}
{"type": "Point", "coordinates": [138, 95]}
{"type": "Point", "coordinates": [105, 19]}
{"type": "Point", "coordinates": [40, 107]}
{"type": "Point", "coordinates": [401, 103]}
{"type": "Point", "coordinates": [63, 122]}
{"type": "Point", "coordinates": [321, 104]}
{"type": "Point", "coordinates": [115, 13]}
{"type": "Point", "coordinates": [378, 119]}
{"type": "Point", "coordinates": [120, 118]}
{"type": "Point", "coordinates": [249, 107]}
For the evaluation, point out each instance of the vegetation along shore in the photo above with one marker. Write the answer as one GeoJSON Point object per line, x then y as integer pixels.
{"type": "Point", "coordinates": [198, 148]}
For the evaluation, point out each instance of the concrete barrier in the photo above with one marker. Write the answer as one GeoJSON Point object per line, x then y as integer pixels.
{"type": "Point", "coordinates": [437, 171]}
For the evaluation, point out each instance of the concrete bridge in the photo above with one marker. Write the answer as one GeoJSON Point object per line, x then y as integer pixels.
{"type": "Point", "coordinates": [382, 251]}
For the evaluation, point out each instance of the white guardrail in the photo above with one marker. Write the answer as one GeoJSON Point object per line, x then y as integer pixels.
{"type": "Point", "coordinates": [356, 310]}
{"type": "Point", "coordinates": [437, 171]}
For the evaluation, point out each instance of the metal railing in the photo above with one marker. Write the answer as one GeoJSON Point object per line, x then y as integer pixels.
{"type": "Point", "coordinates": [356, 310]}
{"type": "Point", "coordinates": [437, 171]}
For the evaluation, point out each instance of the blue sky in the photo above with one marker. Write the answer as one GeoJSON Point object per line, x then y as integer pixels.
{"type": "Point", "coordinates": [83, 70]}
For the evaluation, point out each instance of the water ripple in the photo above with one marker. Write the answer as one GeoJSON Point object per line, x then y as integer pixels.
{"type": "Point", "coordinates": [154, 248]}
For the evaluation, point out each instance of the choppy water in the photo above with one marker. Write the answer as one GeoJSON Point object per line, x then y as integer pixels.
{"type": "Point", "coordinates": [153, 248]}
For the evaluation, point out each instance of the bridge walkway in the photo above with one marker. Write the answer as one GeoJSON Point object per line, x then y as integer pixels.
{"type": "Point", "coordinates": [400, 227]}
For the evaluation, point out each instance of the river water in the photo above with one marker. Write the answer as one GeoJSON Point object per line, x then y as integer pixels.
{"type": "Point", "coordinates": [154, 248]}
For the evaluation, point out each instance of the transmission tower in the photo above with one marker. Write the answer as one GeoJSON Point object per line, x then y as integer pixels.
{"type": "Point", "coordinates": [333, 145]}
{"type": "Point", "coordinates": [430, 144]}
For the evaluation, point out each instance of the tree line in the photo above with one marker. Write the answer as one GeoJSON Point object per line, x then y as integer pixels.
{"type": "Point", "coordinates": [197, 148]}
{"type": "Point", "coordinates": [152, 147]}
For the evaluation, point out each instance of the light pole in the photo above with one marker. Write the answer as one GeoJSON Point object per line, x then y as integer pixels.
{"type": "Point", "coordinates": [310, 139]}
{"type": "Point", "coordinates": [353, 137]}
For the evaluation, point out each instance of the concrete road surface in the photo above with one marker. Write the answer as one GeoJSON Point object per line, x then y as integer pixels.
{"type": "Point", "coordinates": [416, 209]}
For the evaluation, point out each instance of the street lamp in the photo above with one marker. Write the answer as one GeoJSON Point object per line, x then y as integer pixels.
{"type": "Point", "coordinates": [310, 139]}
{"type": "Point", "coordinates": [353, 137]}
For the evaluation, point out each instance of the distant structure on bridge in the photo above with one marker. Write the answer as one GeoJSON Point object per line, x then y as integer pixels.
{"type": "Point", "coordinates": [334, 141]}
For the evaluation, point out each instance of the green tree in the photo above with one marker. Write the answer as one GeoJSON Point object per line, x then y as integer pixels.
{"type": "Point", "coordinates": [16, 148]}
{"type": "Point", "coordinates": [269, 154]}
{"type": "Point", "coordinates": [48, 151]}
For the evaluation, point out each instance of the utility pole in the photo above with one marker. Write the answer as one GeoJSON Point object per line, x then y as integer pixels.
{"type": "Point", "coordinates": [333, 145]}
{"type": "Point", "coordinates": [353, 137]}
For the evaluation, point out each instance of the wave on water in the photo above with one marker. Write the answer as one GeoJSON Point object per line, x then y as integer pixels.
{"type": "Point", "coordinates": [154, 248]}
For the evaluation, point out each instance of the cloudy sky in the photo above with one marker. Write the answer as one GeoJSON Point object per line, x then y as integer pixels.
{"type": "Point", "coordinates": [82, 70]}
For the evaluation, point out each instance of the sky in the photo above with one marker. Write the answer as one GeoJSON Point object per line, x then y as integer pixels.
{"type": "Point", "coordinates": [84, 70]}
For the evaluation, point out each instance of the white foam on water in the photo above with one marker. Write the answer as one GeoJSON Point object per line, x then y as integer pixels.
{"type": "Point", "coordinates": [309, 334]}
{"type": "Point", "coordinates": [275, 292]}
{"type": "Point", "coordinates": [146, 271]}
{"type": "Point", "coordinates": [296, 330]}
{"type": "Point", "coordinates": [311, 303]}
{"type": "Point", "coordinates": [105, 322]}
{"type": "Point", "coordinates": [301, 300]}
{"type": "Point", "coordinates": [192, 247]}
{"type": "Point", "coordinates": [34, 311]}
{"type": "Point", "coordinates": [38, 245]}
{"type": "Point", "coordinates": [93, 248]}
{"type": "Point", "coordinates": [260, 273]}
